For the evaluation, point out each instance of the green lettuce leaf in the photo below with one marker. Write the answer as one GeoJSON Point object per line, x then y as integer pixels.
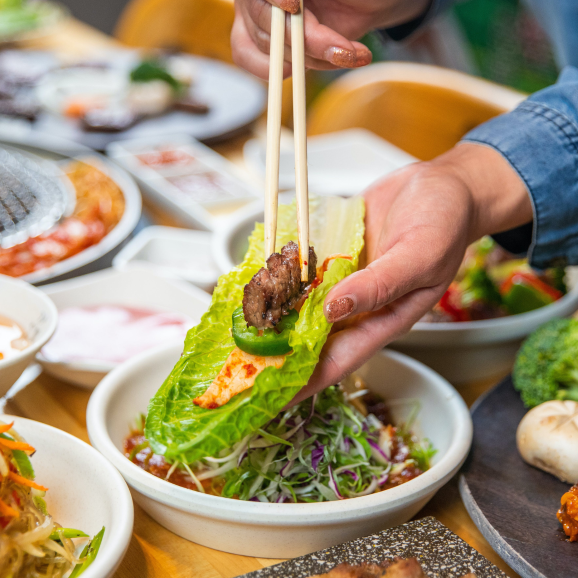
{"type": "Point", "coordinates": [183, 431]}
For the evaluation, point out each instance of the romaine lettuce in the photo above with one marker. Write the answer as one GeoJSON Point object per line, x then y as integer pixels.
{"type": "Point", "coordinates": [183, 431]}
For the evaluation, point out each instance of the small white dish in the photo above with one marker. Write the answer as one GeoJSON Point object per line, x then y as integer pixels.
{"type": "Point", "coordinates": [35, 313]}
{"type": "Point", "coordinates": [281, 530]}
{"type": "Point", "coordinates": [461, 352]}
{"type": "Point", "coordinates": [85, 491]}
{"type": "Point", "coordinates": [134, 288]}
{"type": "Point", "coordinates": [172, 252]}
{"type": "Point", "coordinates": [339, 163]}
{"type": "Point", "coordinates": [199, 191]}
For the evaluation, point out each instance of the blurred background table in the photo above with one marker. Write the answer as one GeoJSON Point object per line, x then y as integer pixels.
{"type": "Point", "coordinates": [154, 551]}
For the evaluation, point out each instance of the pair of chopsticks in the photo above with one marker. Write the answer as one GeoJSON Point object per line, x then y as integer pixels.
{"type": "Point", "coordinates": [274, 132]}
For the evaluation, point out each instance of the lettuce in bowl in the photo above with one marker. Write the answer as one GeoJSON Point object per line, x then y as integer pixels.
{"type": "Point", "coordinates": [180, 430]}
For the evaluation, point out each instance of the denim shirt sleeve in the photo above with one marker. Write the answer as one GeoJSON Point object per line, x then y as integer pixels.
{"type": "Point", "coordinates": [540, 140]}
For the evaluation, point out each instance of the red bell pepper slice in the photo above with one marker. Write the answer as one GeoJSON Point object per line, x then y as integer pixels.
{"type": "Point", "coordinates": [522, 277]}
{"type": "Point", "coordinates": [445, 303]}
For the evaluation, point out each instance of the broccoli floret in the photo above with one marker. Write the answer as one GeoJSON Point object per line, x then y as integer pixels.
{"type": "Point", "coordinates": [478, 286]}
{"type": "Point", "coordinates": [547, 364]}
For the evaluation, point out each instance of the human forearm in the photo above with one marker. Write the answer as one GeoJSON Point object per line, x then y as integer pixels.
{"type": "Point", "coordinates": [499, 197]}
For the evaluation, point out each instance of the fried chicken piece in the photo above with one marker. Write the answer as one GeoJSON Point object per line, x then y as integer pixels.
{"type": "Point", "coordinates": [238, 374]}
{"type": "Point", "coordinates": [274, 291]}
{"type": "Point", "coordinates": [568, 513]}
{"type": "Point", "coordinates": [399, 568]}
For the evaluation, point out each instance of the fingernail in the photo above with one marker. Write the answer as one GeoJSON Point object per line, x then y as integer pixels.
{"type": "Point", "coordinates": [341, 57]}
{"type": "Point", "coordinates": [291, 6]}
{"type": "Point", "coordinates": [339, 309]}
{"type": "Point", "coordinates": [363, 58]}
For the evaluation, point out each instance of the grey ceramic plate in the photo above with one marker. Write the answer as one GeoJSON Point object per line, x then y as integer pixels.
{"type": "Point", "coordinates": [441, 553]}
{"type": "Point", "coordinates": [513, 504]}
{"type": "Point", "coordinates": [235, 99]}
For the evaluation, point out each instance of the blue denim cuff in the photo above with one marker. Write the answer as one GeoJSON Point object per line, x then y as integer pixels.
{"type": "Point", "coordinates": [541, 144]}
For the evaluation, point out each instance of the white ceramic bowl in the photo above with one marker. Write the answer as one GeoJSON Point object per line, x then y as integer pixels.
{"type": "Point", "coordinates": [84, 490]}
{"type": "Point", "coordinates": [475, 350]}
{"type": "Point", "coordinates": [133, 287]}
{"type": "Point", "coordinates": [35, 313]}
{"type": "Point", "coordinates": [280, 530]}
{"type": "Point", "coordinates": [460, 352]}
{"type": "Point", "coordinates": [172, 252]}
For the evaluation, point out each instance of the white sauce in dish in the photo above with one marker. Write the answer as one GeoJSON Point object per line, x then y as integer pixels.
{"type": "Point", "coordinates": [13, 338]}
{"type": "Point", "coordinates": [112, 333]}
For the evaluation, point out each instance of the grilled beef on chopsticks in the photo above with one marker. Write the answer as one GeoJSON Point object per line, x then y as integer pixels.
{"type": "Point", "coordinates": [274, 291]}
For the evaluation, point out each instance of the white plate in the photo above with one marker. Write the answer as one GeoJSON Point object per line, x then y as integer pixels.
{"type": "Point", "coordinates": [35, 313]}
{"type": "Point", "coordinates": [460, 352]}
{"type": "Point", "coordinates": [133, 287]}
{"type": "Point", "coordinates": [281, 530]}
{"type": "Point", "coordinates": [57, 149]}
{"type": "Point", "coordinates": [339, 163]}
{"type": "Point", "coordinates": [235, 99]}
{"type": "Point", "coordinates": [172, 252]}
{"type": "Point", "coordinates": [84, 490]}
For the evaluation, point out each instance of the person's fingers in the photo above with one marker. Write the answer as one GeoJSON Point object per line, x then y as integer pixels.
{"type": "Point", "coordinates": [324, 43]}
{"type": "Point", "coordinates": [247, 55]}
{"type": "Point", "coordinates": [347, 350]}
{"type": "Point", "coordinates": [262, 41]}
{"type": "Point", "coordinates": [406, 266]}
{"type": "Point", "coordinates": [321, 42]}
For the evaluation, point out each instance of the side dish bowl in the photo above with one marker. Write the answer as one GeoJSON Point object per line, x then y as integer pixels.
{"type": "Point", "coordinates": [62, 151]}
{"type": "Point", "coordinates": [37, 316]}
{"type": "Point", "coordinates": [133, 287]}
{"type": "Point", "coordinates": [84, 490]}
{"type": "Point", "coordinates": [281, 530]}
{"type": "Point", "coordinates": [461, 351]}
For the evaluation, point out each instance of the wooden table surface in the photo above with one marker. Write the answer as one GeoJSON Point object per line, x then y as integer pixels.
{"type": "Point", "coordinates": [155, 552]}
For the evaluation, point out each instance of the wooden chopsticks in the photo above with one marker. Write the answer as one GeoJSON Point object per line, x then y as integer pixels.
{"type": "Point", "coordinates": [274, 132]}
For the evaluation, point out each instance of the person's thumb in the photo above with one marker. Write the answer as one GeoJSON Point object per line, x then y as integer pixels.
{"type": "Point", "coordinates": [401, 270]}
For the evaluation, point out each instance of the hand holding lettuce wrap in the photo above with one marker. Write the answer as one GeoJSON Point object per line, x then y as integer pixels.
{"type": "Point", "coordinates": [184, 431]}
{"type": "Point", "coordinates": [419, 222]}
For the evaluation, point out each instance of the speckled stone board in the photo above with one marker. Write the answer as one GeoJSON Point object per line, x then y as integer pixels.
{"type": "Point", "coordinates": [441, 553]}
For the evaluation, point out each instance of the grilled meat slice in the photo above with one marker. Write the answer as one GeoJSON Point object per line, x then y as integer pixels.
{"type": "Point", "coordinates": [274, 291]}
{"type": "Point", "coordinates": [399, 568]}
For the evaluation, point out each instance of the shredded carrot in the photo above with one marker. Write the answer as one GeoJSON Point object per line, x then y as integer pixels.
{"type": "Point", "coordinates": [325, 265]}
{"type": "Point", "coordinates": [6, 510]}
{"type": "Point", "coordinates": [16, 445]}
{"type": "Point", "coordinates": [5, 427]}
{"type": "Point", "coordinates": [26, 482]}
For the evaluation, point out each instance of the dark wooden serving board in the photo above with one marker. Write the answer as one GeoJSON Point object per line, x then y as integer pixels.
{"type": "Point", "coordinates": [441, 553]}
{"type": "Point", "coordinates": [513, 504]}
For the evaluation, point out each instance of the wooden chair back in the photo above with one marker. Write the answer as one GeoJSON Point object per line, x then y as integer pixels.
{"type": "Point", "coordinates": [200, 27]}
{"type": "Point", "coordinates": [425, 110]}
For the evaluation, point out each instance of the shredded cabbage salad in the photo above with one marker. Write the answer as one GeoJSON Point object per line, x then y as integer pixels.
{"type": "Point", "coordinates": [322, 449]}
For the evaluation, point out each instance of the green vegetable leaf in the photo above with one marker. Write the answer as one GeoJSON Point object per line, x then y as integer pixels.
{"type": "Point", "coordinates": [40, 504]}
{"type": "Point", "coordinates": [60, 533]}
{"type": "Point", "coordinates": [181, 430]}
{"type": "Point", "coordinates": [149, 70]}
{"type": "Point", "coordinates": [22, 460]}
{"type": "Point", "coordinates": [90, 552]}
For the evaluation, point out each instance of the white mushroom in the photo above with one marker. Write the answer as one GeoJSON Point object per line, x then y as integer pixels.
{"type": "Point", "coordinates": [548, 439]}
